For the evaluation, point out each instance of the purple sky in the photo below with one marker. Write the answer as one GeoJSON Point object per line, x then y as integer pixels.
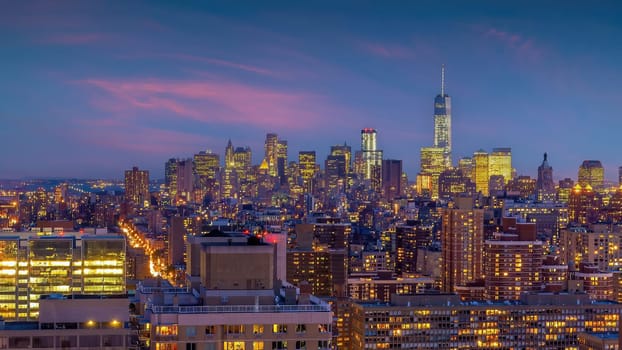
{"type": "Point", "coordinates": [91, 88]}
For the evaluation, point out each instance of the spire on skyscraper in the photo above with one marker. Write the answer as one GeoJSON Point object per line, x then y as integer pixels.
{"type": "Point", "coordinates": [443, 80]}
{"type": "Point", "coordinates": [442, 121]}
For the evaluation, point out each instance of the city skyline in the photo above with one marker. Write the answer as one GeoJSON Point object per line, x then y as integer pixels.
{"type": "Point", "coordinates": [92, 90]}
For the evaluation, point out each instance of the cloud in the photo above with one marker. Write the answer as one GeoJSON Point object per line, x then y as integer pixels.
{"type": "Point", "coordinates": [394, 51]}
{"type": "Point", "coordinates": [217, 101]}
{"type": "Point", "coordinates": [521, 45]}
{"type": "Point", "coordinates": [223, 63]}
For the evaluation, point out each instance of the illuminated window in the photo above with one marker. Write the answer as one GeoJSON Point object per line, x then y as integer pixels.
{"type": "Point", "coordinates": [234, 345]}
{"type": "Point", "coordinates": [167, 330]}
{"type": "Point", "coordinates": [279, 328]}
{"type": "Point", "coordinates": [257, 329]}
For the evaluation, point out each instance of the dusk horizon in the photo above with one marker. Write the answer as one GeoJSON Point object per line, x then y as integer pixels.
{"type": "Point", "coordinates": [93, 89]}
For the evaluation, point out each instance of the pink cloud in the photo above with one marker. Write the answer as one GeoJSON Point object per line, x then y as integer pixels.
{"type": "Point", "coordinates": [524, 47]}
{"type": "Point", "coordinates": [212, 101]}
{"type": "Point", "coordinates": [388, 50]}
{"type": "Point", "coordinates": [224, 63]}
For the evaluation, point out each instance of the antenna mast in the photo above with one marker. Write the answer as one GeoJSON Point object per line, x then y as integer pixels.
{"type": "Point", "coordinates": [443, 80]}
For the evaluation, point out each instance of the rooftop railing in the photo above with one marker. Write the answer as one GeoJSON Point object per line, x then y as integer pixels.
{"type": "Point", "coordinates": [158, 309]}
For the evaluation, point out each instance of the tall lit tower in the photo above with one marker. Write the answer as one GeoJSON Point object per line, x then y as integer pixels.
{"type": "Point", "coordinates": [372, 157]}
{"type": "Point", "coordinates": [271, 148]}
{"type": "Point", "coordinates": [480, 171]}
{"type": "Point", "coordinates": [442, 121]}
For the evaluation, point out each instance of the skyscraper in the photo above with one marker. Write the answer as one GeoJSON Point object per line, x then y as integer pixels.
{"type": "Point", "coordinates": [206, 167]}
{"type": "Point", "coordinates": [500, 163]}
{"type": "Point", "coordinates": [170, 176]}
{"type": "Point", "coordinates": [335, 166]}
{"type": "Point", "coordinates": [271, 148]}
{"type": "Point", "coordinates": [185, 179]}
{"type": "Point", "coordinates": [229, 156]}
{"type": "Point", "coordinates": [591, 172]}
{"type": "Point", "coordinates": [391, 178]}
{"type": "Point", "coordinates": [281, 160]}
{"type": "Point", "coordinates": [137, 186]}
{"type": "Point", "coordinates": [442, 121]}
{"type": "Point", "coordinates": [206, 164]}
{"type": "Point", "coordinates": [432, 165]}
{"type": "Point", "coordinates": [545, 187]}
{"type": "Point", "coordinates": [620, 176]}
{"type": "Point", "coordinates": [346, 151]}
{"type": "Point", "coordinates": [371, 155]}
{"type": "Point", "coordinates": [306, 161]}
{"type": "Point", "coordinates": [480, 171]}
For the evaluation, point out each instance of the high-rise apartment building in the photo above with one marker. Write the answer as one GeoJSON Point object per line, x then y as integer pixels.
{"type": "Point", "coordinates": [513, 261]}
{"type": "Point", "coordinates": [410, 236]}
{"type": "Point", "coordinates": [591, 172]}
{"type": "Point", "coordinates": [545, 187]}
{"type": "Point", "coordinates": [442, 122]}
{"type": "Point", "coordinates": [480, 173]}
{"type": "Point", "coordinates": [595, 245]}
{"type": "Point", "coordinates": [500, 163]}
{"type": "Point", "coordinates": [462, 239]}
{"type": "Point", "coordinates": [137, 187]}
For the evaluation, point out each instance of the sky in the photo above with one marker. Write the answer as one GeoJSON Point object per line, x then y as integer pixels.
{"type": "Point", "coordinates": [92, 88]}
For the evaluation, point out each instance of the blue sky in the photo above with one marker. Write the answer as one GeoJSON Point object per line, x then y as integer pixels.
{"type": "Point", "coordinates": [93, 88]}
